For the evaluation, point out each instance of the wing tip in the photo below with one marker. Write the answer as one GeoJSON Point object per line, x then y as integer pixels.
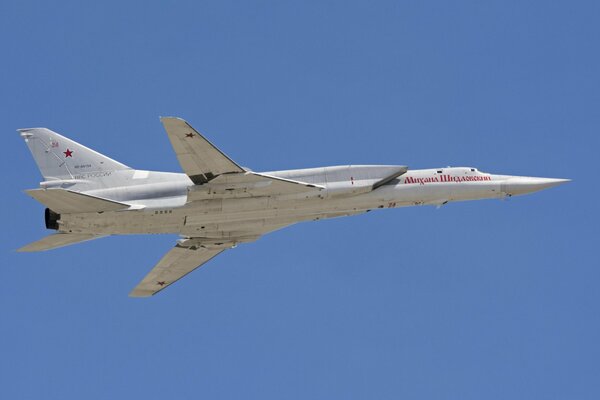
{"type": "Point", "coordinates": [171, 118]}
{"type": "Point", "coordinates": [141, 293]}
{"type": "Point", "coordinates": [24, 249]}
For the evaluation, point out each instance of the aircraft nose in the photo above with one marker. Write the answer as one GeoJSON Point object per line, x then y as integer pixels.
{"type": "Point", "coordinates": [522, 185]}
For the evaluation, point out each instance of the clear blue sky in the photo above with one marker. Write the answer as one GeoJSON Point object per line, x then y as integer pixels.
{"type": "Point", "coordinates": [479, 300]}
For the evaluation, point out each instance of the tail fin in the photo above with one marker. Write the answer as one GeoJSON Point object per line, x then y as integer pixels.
{"type": "Point", "coordinates": [61, 158]}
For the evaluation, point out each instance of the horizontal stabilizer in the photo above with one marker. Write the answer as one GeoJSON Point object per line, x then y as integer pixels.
{"type": "Point", "coordinates": [65, 201]}
{"type": "Point", "coordinates": [57, 240]}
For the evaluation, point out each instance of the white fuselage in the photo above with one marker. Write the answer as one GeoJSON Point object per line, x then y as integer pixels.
{"type": "Point", "coordinates": [216, 203]}
{"type": "Point", "coordinates": [167, 203]}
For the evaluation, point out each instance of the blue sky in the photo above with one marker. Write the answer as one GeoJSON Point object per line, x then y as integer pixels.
{"type": "Point", "coordinates": [489, 299]}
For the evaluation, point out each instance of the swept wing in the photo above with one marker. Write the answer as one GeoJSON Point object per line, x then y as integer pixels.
{"type": "Point", "coordinates": [177, 263]}
{"type": "Point", "coordinates": [199, 158]}
{"type": "Point", "coordinates": [191, 253]}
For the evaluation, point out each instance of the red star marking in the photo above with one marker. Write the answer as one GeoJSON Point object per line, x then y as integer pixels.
{"type": "Point", "coordinates": [161, 283]}
{"type": "Point", "coordinates": [189, 135]}
{"type": "Point", "coordinates": [68, 153]}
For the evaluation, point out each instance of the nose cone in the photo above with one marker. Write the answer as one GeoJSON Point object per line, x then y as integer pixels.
{"type": "Point", "coordinates": [517, 185]}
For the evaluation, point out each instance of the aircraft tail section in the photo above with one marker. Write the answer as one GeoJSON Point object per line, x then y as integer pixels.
{"type": "Point", "coordinates": [60, 158]}
{"type": "Point", "coordinates": [57, 240]}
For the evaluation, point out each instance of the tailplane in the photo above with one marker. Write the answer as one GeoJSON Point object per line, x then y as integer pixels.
{"type": "Point", "coordinates": [66, 201]}
{"type": "Point", "coordinates": [57, 240]}
{"type": "Point", "coordinates": [61, 158]}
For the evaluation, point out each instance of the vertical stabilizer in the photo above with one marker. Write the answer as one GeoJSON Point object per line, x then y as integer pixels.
{"type": "Point", "coordinates": [61, 158]}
